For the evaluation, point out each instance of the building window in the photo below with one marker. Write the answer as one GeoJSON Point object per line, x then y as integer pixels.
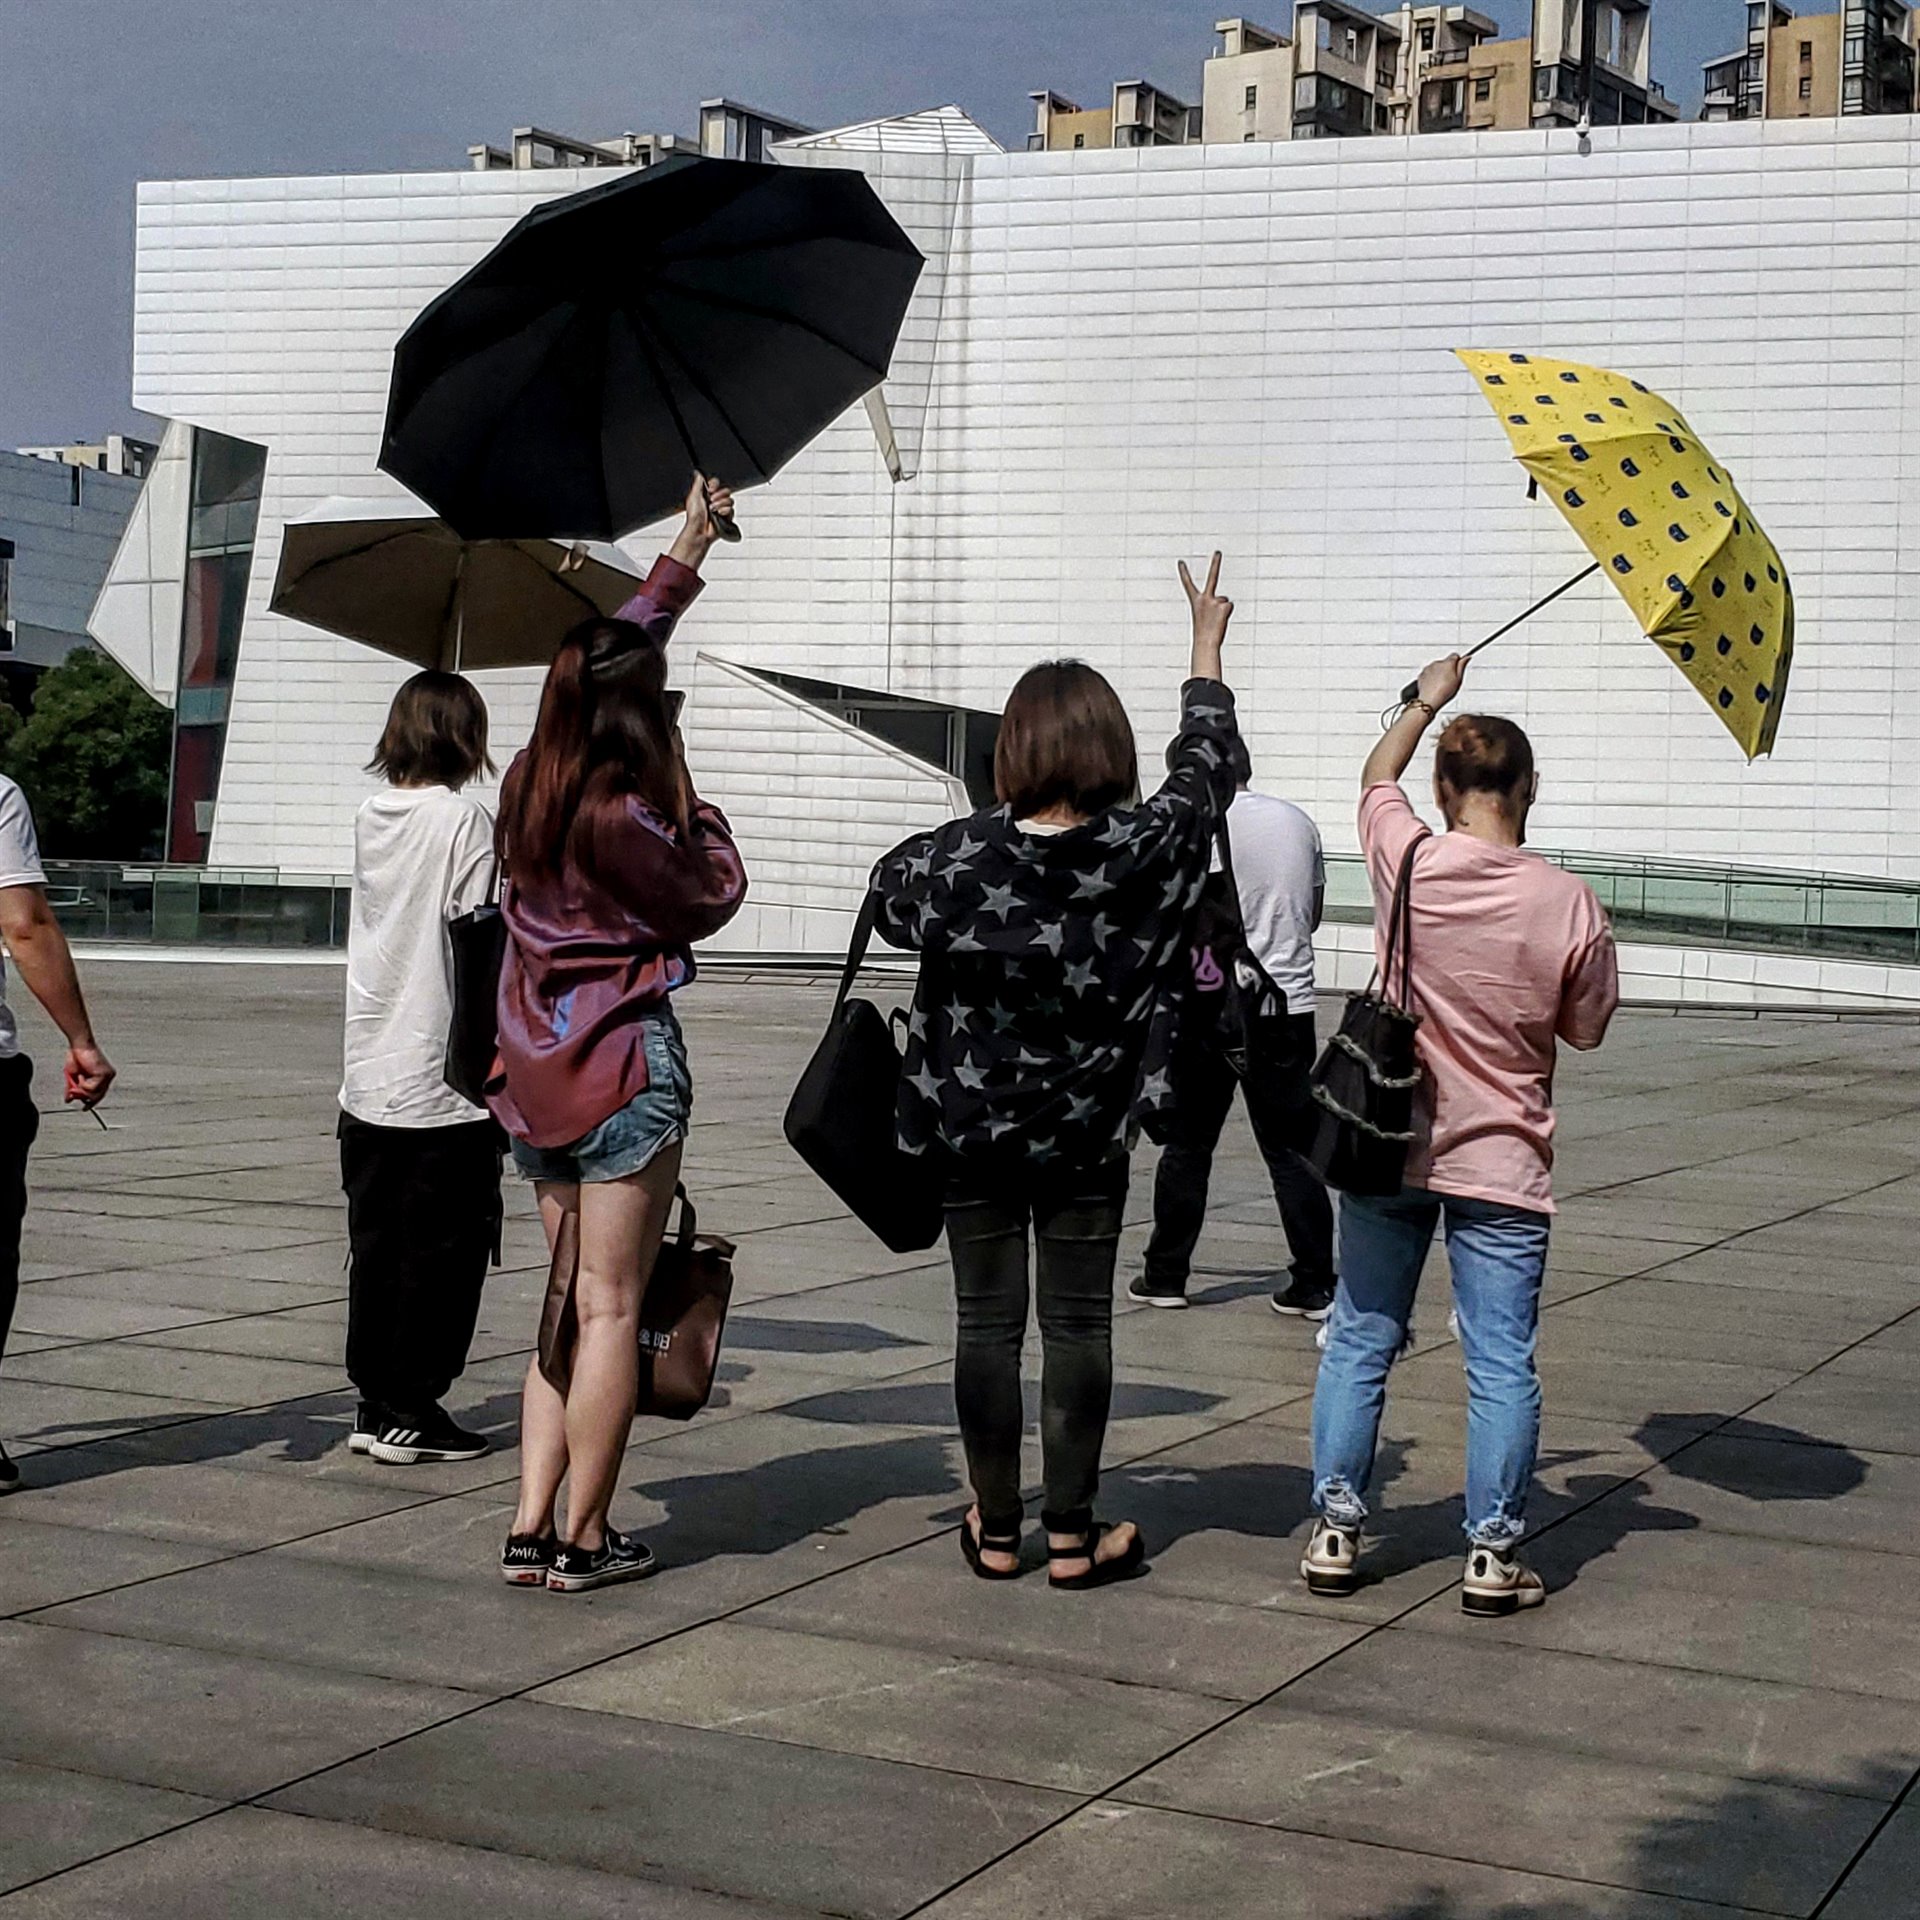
{"type": "Point", "coordinates": [1426, 39]}
{"type": "Point", "coordinates": [1806, 86]}
{"type": "Point", "coordinates": [1806, 53]}
{"type": "Point", "coordinates": [223, 508]}
{"type": "Point", "coordinates": [1483, 87]}
{"type": "Point", "coordinates": [1852, 93]}
{"type": "Point", "coordinates": [1253, 98]}
{"type": "Point", "coordinates": [1856, 49]}
{"type": "Point", "coordinates": [1079, 139]}
{"type": "Point", "coordinates": [1249, 136]}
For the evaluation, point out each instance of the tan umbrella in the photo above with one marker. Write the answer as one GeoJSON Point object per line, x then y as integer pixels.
{"type": "Point", "coordinates": [388, 574]}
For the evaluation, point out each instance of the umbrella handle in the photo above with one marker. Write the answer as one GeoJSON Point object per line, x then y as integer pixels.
{"type": "Point", "coordinates": [1411, 691]}
{"type": "Point", "coordinates": [726, 526]}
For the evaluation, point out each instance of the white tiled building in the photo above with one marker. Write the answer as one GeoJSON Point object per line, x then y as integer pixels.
{"type": "Point", "coordinates": [1119, 358]}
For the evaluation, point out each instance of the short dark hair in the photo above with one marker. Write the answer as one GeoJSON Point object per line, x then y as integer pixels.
{"type": "Point", "coordinates": [436, 733]}
{"type": "Point", "coordinates": [1484, 753]}
{"type": "Point", "coordinates": [1064, 739]}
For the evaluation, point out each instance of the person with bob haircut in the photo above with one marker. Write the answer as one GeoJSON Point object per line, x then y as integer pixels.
{"type": "Point", "coordinates": [421, 1167]}
{"type": "Point", "coordinates": [1053, 933]}
{"type": "Point", "coordinates": [1510, 956]}
{"type": "Point", "coordinates": [614, 867]}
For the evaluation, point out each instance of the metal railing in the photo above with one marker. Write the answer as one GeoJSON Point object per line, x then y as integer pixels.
{"type": "Point", "coordinates": [1665, 902]}
{"type": "Point", "coordinates": [1677, 903]}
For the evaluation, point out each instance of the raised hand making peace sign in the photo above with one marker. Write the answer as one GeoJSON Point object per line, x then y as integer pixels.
{"type": "Point", "coordinates": [1211, 613]}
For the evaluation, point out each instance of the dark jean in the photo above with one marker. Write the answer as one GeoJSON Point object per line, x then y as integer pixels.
{"type": "Point", "coordinates": [19, 1124]}
{"type": "Point", "coordinates": [423, 1222]}
{"type": "Point", "coordinates": [1280, 1106]}
{"type": "Point", "coordinates": [1074, 1215]}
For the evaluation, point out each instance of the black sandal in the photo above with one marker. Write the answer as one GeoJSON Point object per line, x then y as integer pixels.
{"type": "Point", "coordinates": [1099, 1573]}
{"type": "Point", "coordinates": [971, 1549]}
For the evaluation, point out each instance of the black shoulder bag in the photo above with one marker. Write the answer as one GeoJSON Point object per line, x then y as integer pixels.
{"type": "Point", "coordinates": [1365, 1080]}
{"type": "Point", "coordinates": [1235, 997]}
{"type": "Point", "coordinates": [478, 943]}
{"type": "Point", "coordinates": [841, 1119]}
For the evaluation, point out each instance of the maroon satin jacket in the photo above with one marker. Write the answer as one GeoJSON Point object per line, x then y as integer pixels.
{"type": "Point", "coordinates": [589, 957]}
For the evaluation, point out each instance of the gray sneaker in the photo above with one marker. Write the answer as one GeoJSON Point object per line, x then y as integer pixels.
{"type": "Point", "coordinates": [1498, 1583]}
{"type": "Point", "coordinates": [1331, 1564]}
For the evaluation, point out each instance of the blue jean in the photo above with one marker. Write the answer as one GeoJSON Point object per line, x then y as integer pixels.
{"type": "Point", "coordinates": [629, 1140]}
{"type": "Point", "coordinates": [1497, 1256]}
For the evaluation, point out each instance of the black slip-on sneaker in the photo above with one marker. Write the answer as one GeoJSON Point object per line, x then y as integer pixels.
{"type": "Point", "coordinates": [9, 1473]}
{"type": "Point", "coordinates": [1141, 1288]}
{"type": "Point", "coordinates": [527, 1559]}
{"type": "Point", "coordinates": [621, 1556]}
{"type": "Point", "coordinates": [1304, 1300]}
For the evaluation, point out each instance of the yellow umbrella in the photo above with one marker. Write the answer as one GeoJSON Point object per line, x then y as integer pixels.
{"type": "Point", "coordinates": [1663, 520]}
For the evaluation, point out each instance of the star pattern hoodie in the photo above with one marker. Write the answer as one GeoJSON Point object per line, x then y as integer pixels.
{"type": "Point", "coordinates": [1053, 964]}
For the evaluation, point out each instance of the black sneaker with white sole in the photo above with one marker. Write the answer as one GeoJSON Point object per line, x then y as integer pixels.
{"type": "Point", "coordinates": [1141, 1288]}
{"type": "Point", "coordinates": [527, 1559]}
{"type": "Point", "coordinates": [412, 1440]}
{"type": "Point", "coordinates": [1304, 1299]}
{"type": "Point", "coordinates": [9, 1473]}
{"type": "Point", "coordinates": [621, 1556]}
{"type": "Point", "coordinates": [369, 1421]}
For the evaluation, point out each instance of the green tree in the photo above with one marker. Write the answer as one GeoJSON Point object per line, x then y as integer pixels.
{"type": "Point", "coordinates": [93, 759]}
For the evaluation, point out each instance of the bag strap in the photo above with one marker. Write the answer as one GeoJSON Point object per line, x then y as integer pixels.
{"type": "Point", "coordinates": [689, 1220]}
{"type": "Point", "coordinates": [857, 946]}
{"type": "Point", "coordinates": [1400, 933]}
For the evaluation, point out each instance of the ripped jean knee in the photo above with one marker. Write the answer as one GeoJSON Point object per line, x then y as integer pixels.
{"type": "Point", "coordinates": [1335, 1499]}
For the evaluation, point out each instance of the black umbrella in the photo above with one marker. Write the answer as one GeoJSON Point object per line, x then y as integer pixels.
{"type": "Point", "coordinates": [710, 314]}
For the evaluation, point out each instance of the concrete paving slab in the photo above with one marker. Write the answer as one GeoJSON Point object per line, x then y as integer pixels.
{"type": "Point", "coordinates": [967, 1715]}
{"type": "Point", "coordinates": [50, 1820]}
{"type": "Point", "coordinates": [1884, 1880]}
{"type": "Point", "coordinates": [749, 1818]}
{"type": "Point", "coordinates": [249, 1862]}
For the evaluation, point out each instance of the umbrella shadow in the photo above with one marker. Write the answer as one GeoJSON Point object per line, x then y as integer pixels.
{"type": "Point", "coordinates": [1759, 1460]}
{"type": "Point", "coordinates": [780, 1502]}
{"type": "Point", "coordinates": [812, 1336]}
{"type": "Point", "coordinates": [929, 1403]}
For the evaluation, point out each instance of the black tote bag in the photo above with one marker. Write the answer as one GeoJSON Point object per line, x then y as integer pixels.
{"type": "Point", "coordinates": [478, 944]}
{"type": "Point", "coordinates": [1363, 1085]}
{"type": "Point", "coordinates": [1235, 999]}
{"type": "Point", "coordinates": [841, 1118]}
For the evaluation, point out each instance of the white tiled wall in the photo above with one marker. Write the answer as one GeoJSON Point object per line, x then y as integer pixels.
{"type": "Point", "coordinates": [1126, 357]}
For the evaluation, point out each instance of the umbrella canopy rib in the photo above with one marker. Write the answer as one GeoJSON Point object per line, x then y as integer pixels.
{"type": "Point", "coordinates": [642, 332]}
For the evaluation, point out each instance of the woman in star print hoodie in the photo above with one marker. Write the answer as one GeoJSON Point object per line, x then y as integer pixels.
{"type": "Point", "coordinates": [1053, 932]}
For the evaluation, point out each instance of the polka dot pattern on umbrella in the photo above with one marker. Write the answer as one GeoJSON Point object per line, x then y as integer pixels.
{"type": "Point", "coordinates": [1663, 517]}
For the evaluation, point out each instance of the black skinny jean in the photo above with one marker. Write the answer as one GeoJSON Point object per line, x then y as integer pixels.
{"type": "Point", "coordinates": [19, 1123]}
{"type": "Point", "coordinates": [1074, 1214]}
{"type": "Point", "coordinates": [1280, 1104]}
{"type": "Point", "coordinates": [423, 1222]}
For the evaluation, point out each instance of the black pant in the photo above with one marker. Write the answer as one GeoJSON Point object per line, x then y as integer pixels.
{"type": "Point", "coordinates": [1280, 1105]}
{"type": "Point", "coordinates": [423, 1221]}
{"type": "Point", "coordinates": [1074, 1213]}
{"type": "Point", "coordinates": [19, 1123]}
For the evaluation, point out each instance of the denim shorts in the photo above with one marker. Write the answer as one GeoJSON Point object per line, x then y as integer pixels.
{"type": "Point", "coordinates": [630, 1140]}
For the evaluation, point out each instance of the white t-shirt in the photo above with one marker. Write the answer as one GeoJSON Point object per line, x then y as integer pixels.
{"type": "Point", "coordinates": [421, 857]}
{"type": "Point", "coordinates": [1278, 867]}
{"type": "Point", "coordinates": [19, 867]}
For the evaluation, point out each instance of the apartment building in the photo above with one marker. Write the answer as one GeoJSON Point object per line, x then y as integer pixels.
{"type": "Point", "coordinates": [1610, 84]}
{"type": "Point", "coordinates": [1139, 115]}
{"type": "Point", "coordinates": [1860, 59]}
{"type": "Point", "coordinates": [537, 147]}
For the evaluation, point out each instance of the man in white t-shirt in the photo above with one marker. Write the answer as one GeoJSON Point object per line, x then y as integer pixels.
{"type": "Point", "coordinates": [41, 958]}
{"type": "Point", "coordinates": [1281, 880]}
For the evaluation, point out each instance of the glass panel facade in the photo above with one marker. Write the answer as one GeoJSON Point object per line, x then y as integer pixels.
{"type": "Point", "coordinates": [223, 512]}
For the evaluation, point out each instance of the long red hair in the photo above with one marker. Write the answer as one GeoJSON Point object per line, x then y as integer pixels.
{"type": "Point", "coordinates": [604, 736]}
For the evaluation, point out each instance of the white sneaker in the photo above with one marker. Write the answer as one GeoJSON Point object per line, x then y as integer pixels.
{"type": "Point", "coordinates": [1498, 1583]}
{"type": "Point", "coordinates": [1331, 1564]}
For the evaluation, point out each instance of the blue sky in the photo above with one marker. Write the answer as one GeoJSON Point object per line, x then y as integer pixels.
{"type": "Point", "coordinates": [102, 93]}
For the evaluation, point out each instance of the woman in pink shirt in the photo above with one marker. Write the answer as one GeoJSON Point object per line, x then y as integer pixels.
{"type": "Point", "coordinates": [1510, 956]}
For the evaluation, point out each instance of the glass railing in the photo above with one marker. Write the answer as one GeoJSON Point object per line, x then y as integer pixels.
{"type": "Point", "coordinates": [1673, 903]}
{"type": "Point", "coordinates": [198, 906]}
{"type": "Point", "coordinates": [1664, 902]}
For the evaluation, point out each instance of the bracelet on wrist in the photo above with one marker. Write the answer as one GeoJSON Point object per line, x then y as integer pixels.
{"type": "Point", "coordinates": [1424, 706]}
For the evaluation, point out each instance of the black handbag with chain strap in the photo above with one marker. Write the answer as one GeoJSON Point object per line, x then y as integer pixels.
{"type": "Point", "coordinates": [1365, 1080]}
